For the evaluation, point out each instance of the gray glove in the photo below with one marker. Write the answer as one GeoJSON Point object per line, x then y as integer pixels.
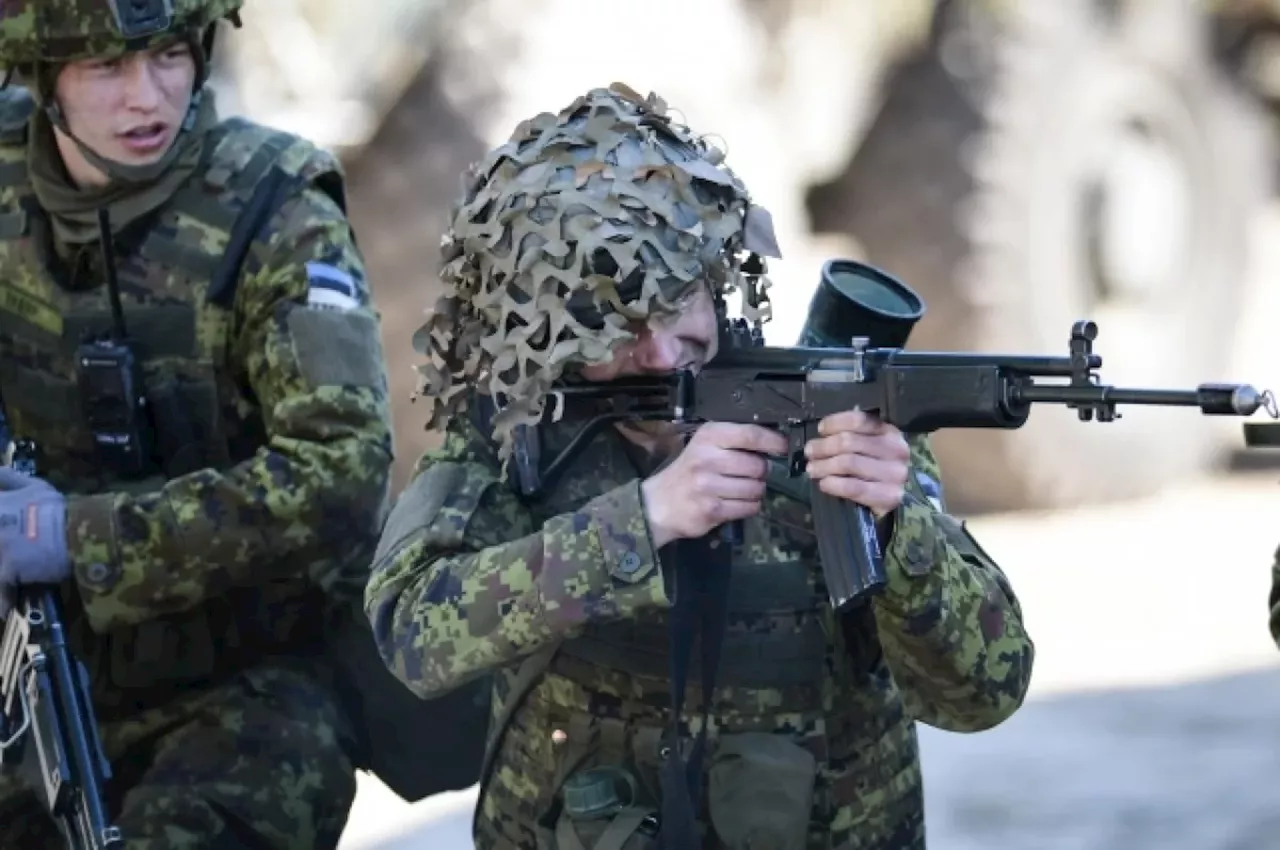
{"type": "Point", "coordinates": [33, 538]}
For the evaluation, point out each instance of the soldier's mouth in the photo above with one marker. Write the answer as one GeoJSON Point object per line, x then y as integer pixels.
{"type": "Point", "coordinates": [146, 138]}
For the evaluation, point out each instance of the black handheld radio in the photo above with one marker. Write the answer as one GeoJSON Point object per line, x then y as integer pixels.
{"type": "Point", "coordinates": [109, 376]}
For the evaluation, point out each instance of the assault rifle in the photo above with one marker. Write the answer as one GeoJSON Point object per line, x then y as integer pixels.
{"type": "Point", "coordinates": [792, 389]}
{"type": "Point", "coordinates": [48, 729]}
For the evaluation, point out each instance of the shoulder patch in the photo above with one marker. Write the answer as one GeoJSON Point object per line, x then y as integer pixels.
{"type": "Point", "coordinates": [932, 489]}
{"type": "Point", "coordinates": [331, 288]}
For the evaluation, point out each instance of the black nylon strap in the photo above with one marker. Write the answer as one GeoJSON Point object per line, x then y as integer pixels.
{"type": "Point", "coordinates": [702, 571]}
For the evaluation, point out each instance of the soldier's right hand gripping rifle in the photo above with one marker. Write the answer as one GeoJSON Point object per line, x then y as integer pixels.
{"type": "Point", "coordinates": [48, 730]}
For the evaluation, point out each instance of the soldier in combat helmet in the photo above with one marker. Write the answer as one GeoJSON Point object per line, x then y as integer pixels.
{"type": "Point", "coordinates": [600, 243]}
{"type": "Point", "coordinates": [211, 527]}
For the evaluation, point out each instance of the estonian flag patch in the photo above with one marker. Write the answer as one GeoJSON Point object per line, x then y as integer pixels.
{"type": "Point", "coordinates": [932, 488]}
{"type": "Point", "coordinates": [329, 287]}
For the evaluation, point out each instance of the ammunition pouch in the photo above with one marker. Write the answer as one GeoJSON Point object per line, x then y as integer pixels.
{"type": "Point", "coordinates": [187, 421]}
{"type": "Point", "coordinates": [761, 792]}
{"type": "Point", "coordinates": [150, 663]}
{"type": "Point", "coordinates": [781, 658]}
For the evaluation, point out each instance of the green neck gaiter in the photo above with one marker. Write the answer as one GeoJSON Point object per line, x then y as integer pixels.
{"type": "Point", "coordinates": [131, 191]}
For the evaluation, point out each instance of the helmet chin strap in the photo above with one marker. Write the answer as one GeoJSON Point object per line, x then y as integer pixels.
{"type": "Point", "coordinates": [118, 171]}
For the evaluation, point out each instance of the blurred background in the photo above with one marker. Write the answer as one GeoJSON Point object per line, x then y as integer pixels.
{"type": "Point", "coordinates": [1021, 164]}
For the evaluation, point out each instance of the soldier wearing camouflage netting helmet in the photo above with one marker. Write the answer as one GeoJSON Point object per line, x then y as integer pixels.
{"type": "Point", "coordinates": [597, 243]}
{"type": "Point", "coordinates": [211, 528]}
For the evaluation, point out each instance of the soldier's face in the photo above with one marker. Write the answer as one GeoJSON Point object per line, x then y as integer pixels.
{"type": "Point", "coordinates": [128, 110]}
{"type": "Point", "coordinates": [685, 340]}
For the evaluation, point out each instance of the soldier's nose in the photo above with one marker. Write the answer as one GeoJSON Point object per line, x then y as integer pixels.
{"type": "Point", "coordinates": [660, 352]}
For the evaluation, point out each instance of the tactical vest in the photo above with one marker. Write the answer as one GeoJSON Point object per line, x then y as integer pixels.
{"type": "Point", "coordinates": [783, 639]}
{"type": "Point", "coordinates": [776, 659]}
{"type": "Point", "coordinates": [178, 274]}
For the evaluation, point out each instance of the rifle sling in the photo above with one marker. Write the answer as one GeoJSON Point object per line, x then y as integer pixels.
{"type": "Point", "coordinates": [702, 570]}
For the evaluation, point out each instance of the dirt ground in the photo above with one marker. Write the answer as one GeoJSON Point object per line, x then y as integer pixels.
{"type": "Point", "coordinates": [1179, 767]}
{"type": "Point", "coordinates": [1152, 719]}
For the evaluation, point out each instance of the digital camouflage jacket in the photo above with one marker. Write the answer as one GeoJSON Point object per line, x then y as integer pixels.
{"type": "Point", "coordinates": [470, 579]}
{"type": "Point", "coordinates": [263, 366]}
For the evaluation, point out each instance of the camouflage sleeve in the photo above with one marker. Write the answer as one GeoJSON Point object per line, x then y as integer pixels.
{"type": "Point", "coordinates": [465, 580]}
{"type": "Point", "coordinates": [305, 347]}
{"type": "Point", "coordinates": [949, 622]}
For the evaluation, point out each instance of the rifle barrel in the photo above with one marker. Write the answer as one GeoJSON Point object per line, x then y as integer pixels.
{"type": "Point", "coordinates": [1212, 399]}
{"type": "Point", "coordinates": [1091, 395]}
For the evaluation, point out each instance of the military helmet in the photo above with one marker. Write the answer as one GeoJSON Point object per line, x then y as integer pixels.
{"type": "Point", "coordinates": [57, 31]}
{"type": "Point", "coordinates": [585, 222]}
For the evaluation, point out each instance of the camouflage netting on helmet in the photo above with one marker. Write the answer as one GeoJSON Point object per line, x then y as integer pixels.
{"type": "Point", "coordinates": [56, 31]}
{"type": "Point", "coordinates": [582, 224]}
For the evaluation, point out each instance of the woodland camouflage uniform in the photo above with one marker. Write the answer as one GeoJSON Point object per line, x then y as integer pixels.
{"type": "Point", "coordinates": [201, 591]}
{"type": "Point", "coordinates": [613, 210]}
